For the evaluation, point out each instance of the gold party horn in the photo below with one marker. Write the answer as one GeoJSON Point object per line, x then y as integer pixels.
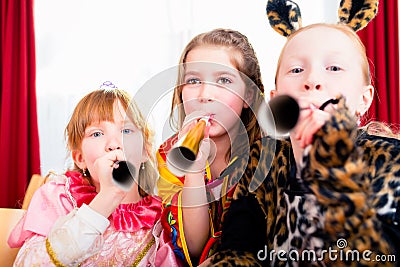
{"type": "Point", "coordinates": [183, 154]}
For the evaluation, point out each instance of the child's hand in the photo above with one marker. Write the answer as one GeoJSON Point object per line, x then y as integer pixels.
{"type": "Point", "coordinates": [103, 168]}
{"type": "Point", "coordinates": [205, 147]}
{"type": "Point", "coordinates": [109, 194]}
{"type": "Point", "coordinates": [310, 121]}
{"type": "Point", "coordinates": [199, 164]}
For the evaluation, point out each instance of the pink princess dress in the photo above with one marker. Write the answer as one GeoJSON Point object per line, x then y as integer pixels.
{"type": "Point", "coordinates": [59, 229]}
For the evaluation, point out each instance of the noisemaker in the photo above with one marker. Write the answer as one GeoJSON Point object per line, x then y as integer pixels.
{"type": "Point", "coordinates": [183, 154]}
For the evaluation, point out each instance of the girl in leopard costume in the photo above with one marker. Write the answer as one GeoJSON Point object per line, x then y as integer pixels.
{"type": "Point", "coordinates": [332, 195]}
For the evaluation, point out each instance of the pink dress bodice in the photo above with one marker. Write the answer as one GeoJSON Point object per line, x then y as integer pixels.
{"type": "Point", "coordinates": [133, 236]}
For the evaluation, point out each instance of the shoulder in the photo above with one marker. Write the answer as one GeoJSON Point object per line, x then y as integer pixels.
{"type": "Point", "coordinates": [54, 182]}
{"type": "Point", "coordinates": [268, 148]}
{"type": "Point", "coordinates": [167, 144]}
{"type": "Point", "coordinates": [52, 192]}
{"type": "Point", "coordinates": [377, 141]}
{"type": "Point", "coordinates": [268, 166]}
{"type": "Point", "coordinates": [382, 157]}
{"type": "Point", "coordinates": [48, 201]}
{"type": "Point", "coordinates": [380, 152]}
{"type": "Point", "coordinates": [60, 182]}
{"type": "Point", "coordinates": [164, 148]}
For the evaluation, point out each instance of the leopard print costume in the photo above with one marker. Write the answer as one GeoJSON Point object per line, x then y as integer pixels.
{"type": "Point", "coordinates": [359, 185]}
{"type": "Point", "coordinates": [357, 14]}
{"type": "Point", "coordinates": [278, 203]}
{"type": "Point", "coordinates": [351, 190]}
{"type": "Point", "coordinates": [285, 18]}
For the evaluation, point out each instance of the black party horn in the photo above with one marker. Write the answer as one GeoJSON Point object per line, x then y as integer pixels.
{"type": "Point", "coordinates": [123, 175]}
{"type": "Point", "coordinates": [286, 112]}
{"type": "Point", "coordinates": [282, 115]}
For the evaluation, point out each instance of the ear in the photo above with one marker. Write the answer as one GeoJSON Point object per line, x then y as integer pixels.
{"type": "Point", "coordinates": [273, 93]}
{"type": "Point", "coordinates": [145, 157]}
{"type": "Point", "coordinates": [78, 159]}
{"type": "Point", "coordinates": [367, 98]}
{"type": "Point", "coordinates": [145, 153]}
{"type": "Point", "coordinates": [248, 98]}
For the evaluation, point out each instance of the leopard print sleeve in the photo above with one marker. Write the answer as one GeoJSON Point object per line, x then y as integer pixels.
{"type": "Point", "coordinates": [335, 170]}
{"type": "Point", "coordinates": [256, 218]}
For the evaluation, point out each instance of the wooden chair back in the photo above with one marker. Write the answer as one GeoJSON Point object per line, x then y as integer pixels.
{"type": "Point", "coordinates": [8, 219]}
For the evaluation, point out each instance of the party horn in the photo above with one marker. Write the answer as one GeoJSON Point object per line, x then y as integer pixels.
{"type": "Point", "coordinates": [286, 112]}
{"type": "Point", "coordinates": [123, 175]}
{"type": "Point", "coordinates": [183, 154]}
{"type": "Point", "coordinates": [281, 117]}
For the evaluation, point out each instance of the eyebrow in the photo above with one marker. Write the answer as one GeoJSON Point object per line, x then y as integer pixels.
{"type": "Point", "coordinates": [192, 72]}
{"type": "Point", "coordinates": [124, 122]}
{"type": "Point", "coordinates": [218, 73]}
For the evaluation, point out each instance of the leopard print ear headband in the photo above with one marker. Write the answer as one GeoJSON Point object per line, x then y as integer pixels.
{"type": "Point", "coordinates": [285, 18]}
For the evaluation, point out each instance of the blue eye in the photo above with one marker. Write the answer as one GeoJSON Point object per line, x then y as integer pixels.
{"type": "Point", "coordinates": [127, 131]}
{"type": "Point", "coordinates": [194, 81]}
{"type": "Point", "coordinates": [296, 70]}
{"type": "Point", "coordinates": [96, 134]}
{"type": "Point", "coordinates": [224, 80]}
{"type": "Point", "coordinates": [334, 68]}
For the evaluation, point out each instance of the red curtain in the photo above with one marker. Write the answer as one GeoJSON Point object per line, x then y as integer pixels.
{"type": "Point", "coordinates": [19, 137]}
{"type": "Point", "coordinates": [381, 39]}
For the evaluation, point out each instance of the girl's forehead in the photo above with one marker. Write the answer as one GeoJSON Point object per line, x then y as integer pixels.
{"type": "Point", "coordinates": [216, 57]}
{"type": "Point", "coordinates": [322, 40]}
{"type": "Point", "coordinates": [322, 36]}
{"type": "Point", "coordinates": [114, 112]}
{"type": "Point", "coordinates": [205, 68]}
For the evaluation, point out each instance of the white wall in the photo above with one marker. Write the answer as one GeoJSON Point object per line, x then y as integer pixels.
{"type": "Point", "coordinates": [81, 43]}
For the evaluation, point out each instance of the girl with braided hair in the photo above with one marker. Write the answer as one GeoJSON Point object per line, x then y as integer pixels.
{"type": "Point", "coordinates": [218, 77]}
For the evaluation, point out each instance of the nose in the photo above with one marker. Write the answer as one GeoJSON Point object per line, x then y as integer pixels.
{"type": "Point", "coordinates": [112, 148]}
{"type": "Point", "coordinates": [312, 81]}
{"type": "Point", "coordinates": [312, 86]}
{"type": "Point", "coordinates": [206, 91]}
{"type": "Point", "coordinates": [113, 144]}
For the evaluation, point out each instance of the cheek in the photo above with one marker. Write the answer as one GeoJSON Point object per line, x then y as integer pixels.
{"type": "Point", "coordinates": [236, 105]}
{"type": "Point", "coordinates": [231, 97]}
{"type": "Point", "coordinates": [353, 98]}
{"type": "Point", "coordinates": [90, 150]}
{"type": "Point", "coordinates": [231, 109]}
{"type": "Point", "coordinates": [190, 107]}
{"type": "Point", "coordinates": [190, 103]}
{"type": "Point", "coordinates": [134, 148]}
{"type": "Point", "coordinates": [287, 88]}
{"type": "Point", "coordinates": [352, 103]}
{"type": "Point", "coordinates": [189, 94]}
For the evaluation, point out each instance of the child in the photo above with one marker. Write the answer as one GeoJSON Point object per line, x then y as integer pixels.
{"type": "Point", "coordinates": [337, 197]}
{"type": "Point", "coordinates": [83, 217]}
{"type": "Point", "coordinates": [219, 77]}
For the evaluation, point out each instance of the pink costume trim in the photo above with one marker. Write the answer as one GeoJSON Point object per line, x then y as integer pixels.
{"type": "Point", "coordinates": [136, 216]}
{"type": "Point", "coordinates": [52, 200]}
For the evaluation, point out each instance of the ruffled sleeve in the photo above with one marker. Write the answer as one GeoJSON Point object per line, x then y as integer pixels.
{"type": "Point", "coordinates": [48, 203]}
{"type": "Point", "coordinates": [56, 198]}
